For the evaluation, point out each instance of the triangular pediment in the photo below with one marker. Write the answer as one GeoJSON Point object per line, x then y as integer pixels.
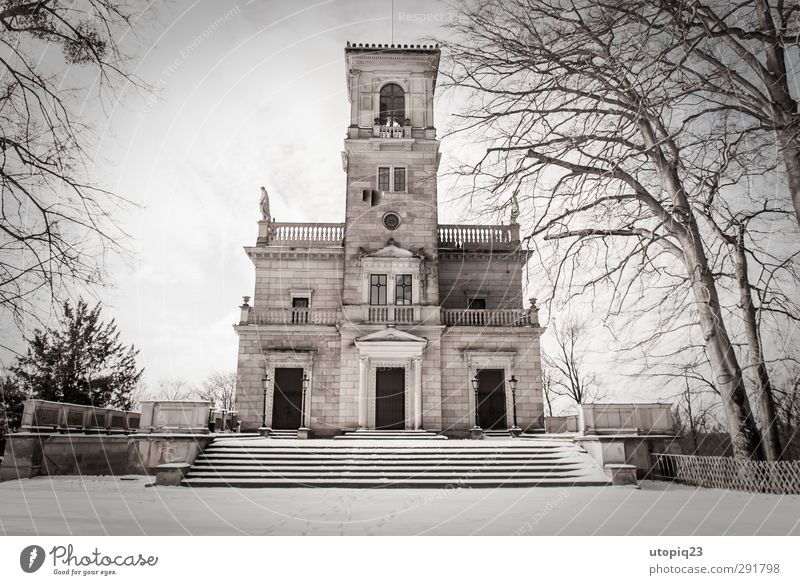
{"type": "Point", "coordinates": [391, 334]}
{"type": "Point", "coordinates": [392, 251]}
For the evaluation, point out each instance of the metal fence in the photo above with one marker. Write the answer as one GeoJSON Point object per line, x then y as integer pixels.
{"type": "Point", "coordinates": [733, 473]}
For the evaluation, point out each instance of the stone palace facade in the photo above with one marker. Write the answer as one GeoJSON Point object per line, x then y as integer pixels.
{"type": "Point", "coordinates": [389, 320]}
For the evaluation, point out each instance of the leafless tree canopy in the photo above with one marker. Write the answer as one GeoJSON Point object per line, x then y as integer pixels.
{"type": "Point", "coordinates": [634, 171]}
{"type": "Point", "coordinates": [569, 374]}
{"type": "Point", "coordinates": [56, 222]}
{"type": "Point", "coordinates": [219, 388]}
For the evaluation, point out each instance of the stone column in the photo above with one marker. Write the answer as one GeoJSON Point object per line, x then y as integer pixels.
{"type": "Point", "coordinates": [363, 380]}
{"type": "Point", "coordinates": [417, 392]}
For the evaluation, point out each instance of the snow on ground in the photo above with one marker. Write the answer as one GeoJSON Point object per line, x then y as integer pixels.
{"type": "Point", "coordinates": [105, 505]}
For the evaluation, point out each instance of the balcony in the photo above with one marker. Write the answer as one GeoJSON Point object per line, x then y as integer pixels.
{"type": "Point", "coordinates": [392, 314]}
{"type": "Point", "coordinates": [290, 316]}
{"type": "Point", "coordinates": [278, 233]}
{"type": "Point", "coordinates": [489, 317]}
{"type": "Point", "coordinates": [380, 131]}
{"type": "Point", "coordinates": [465, 237]}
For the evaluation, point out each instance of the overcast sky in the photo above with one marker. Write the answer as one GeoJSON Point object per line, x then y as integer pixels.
{"type": "Point", "coordinates": [249, 93]}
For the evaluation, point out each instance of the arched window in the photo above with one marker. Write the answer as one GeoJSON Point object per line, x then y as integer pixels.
{"type": "Point", "coordinates": [392, 105]}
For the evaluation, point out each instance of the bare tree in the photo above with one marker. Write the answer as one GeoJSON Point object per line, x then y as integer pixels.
{"type": "Point", "coordinates": [570, 377]}
{"type": "Point", "coordinates": [219, 388]}
{"type": "Point", "coordinates": [547, 386]}
{"type": "Point", "coordinates": [577, 111]}
{"type": "Point", "coordinates": [740, 56]}
{"type": "Point", "coordinates": [56, 223]}
{"type": "Point", "coordinates": [174, 389]}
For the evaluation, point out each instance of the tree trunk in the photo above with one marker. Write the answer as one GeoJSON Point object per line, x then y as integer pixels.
{"type": "Point", "coordinates": [784, 106]}
{"type": "Point", "coordinates": [768, 419]}
{"type": "Point", "coordinates": [791, 160]}
{"type": "Point", "coordinates": [745, 437]}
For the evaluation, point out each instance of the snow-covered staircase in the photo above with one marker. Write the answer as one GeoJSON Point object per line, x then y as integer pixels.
{"type": "Point", "coordinates": [260, 462]}
{"type": "Point", "coordinates": [381, 435]}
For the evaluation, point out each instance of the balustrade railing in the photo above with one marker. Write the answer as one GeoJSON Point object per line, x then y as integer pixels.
{"type": "Point", "coordinates": [43, 415]}
{"type": "Point", "coordinates": [487, 317]}
{"type": "Point", "coordinates": [291, 233]}
{"type": "Point", "coordinates": [465, 236]}
{"type": "Point", "coordinates": [391, 131]}
{"type": "Point", "coordinates": [392, 314]}
{"type": "Point", "coordinates": [293, 316]}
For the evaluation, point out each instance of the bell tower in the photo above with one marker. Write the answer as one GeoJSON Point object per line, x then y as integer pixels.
{"type": "Point", "coordinates": [391, 157]}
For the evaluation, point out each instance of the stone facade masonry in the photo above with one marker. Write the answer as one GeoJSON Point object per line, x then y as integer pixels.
{"type": "Point", "coordinates": [467, 310]}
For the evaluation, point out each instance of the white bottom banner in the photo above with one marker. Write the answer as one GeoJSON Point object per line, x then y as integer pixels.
{"type": "Point", "coordinates": [197, 559]}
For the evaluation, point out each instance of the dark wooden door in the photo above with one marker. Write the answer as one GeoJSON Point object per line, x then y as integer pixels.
{"type": "Point", "coordinates": [491, 399]}
{"type": "Point", "coordinates": [390, 398]}
{"type": "Point", "coordinates": [287, 399]}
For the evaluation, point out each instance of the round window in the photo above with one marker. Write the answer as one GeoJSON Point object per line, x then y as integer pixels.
{"type": "Point", "coordinates": [391, 221]}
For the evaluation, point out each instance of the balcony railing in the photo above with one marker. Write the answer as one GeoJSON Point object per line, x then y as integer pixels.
{"type": "Point", "coordinates": [293, 316]}
{"type": "Point", "coordinates": [487, 317]}
{"type": "Point", "coordinates": [390, 314]}
{"type": "Point", "coordinates": [472, 236]}
{"type": "Point", "coordinates": [391, 131]}
{"type": "Point", "coordinates": [393, 314]}
{"type": "Point", "coordinates": [290, 234]}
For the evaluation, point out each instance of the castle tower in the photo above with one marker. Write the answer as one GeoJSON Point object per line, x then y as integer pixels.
{"type": "Point", "coordinates": [389, 321]}
{"type": "Point", "coordinates": [391, 158]}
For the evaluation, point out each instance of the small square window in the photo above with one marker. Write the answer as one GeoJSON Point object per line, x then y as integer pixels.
{"type": "Point", "coordinates": [399, 179]}
{"type": "Point", "coordinates": [300, 302]}
{"type": "Point", "coordinates": [383, 178]}
{"type": "Point", "coordinates": [477, 304]}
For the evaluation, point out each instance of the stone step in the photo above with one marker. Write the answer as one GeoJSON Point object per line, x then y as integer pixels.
{"type": "Point", "coordinates": [419, 483]}
{"type": "Point", "coordinates": [429, 448]}
{"type": "Point", "coordinates": [377, 474]}
{"type": "Point", "coordinates": [343, 465]}
{"type": "Point", "coordinates": [414, 464]}
{"type": "Point", "coordinates": [469, 457]}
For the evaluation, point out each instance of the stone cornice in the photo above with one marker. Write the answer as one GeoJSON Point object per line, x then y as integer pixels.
{"type": "Point", "coordinates": [284, 252]}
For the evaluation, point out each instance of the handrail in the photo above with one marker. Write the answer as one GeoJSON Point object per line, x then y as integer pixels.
{"type": "Point", "coordinates": [462, 235]}
{"type": "Point", "coordinates": [293, 316]}
{"type": "Point", "coordinates": [294, 232]}
{"type": "Point", "coordinates": [487, 317]}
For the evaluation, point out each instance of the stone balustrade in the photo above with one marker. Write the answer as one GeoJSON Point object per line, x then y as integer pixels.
{"type": "Point", "coordinates": [392, 314]}
{"type": "Point", "coordinates": [379, 131]}
{"type": "Point", "coordinates": [44, 415]}
{"type": "Point", "coordinates": [487, 317]}
{"type": "Point", "coordinates": [278, 233]}
{"type": "Point", "coordinates": [292, 316]}
{"type": "Point", "coordinates": [478, 236]}
{"type": "Point", "coordinates": [639, 418]}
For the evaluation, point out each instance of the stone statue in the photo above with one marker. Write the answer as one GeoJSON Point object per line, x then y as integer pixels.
{"type": "Point", "coordinates": [514, 208]}
{"type": "Point", "coordinates": [265, 214]}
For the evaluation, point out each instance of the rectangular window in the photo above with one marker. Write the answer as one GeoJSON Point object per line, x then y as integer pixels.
{"type": "Point", "coordinates": [402, 289]}
{"type": "Point", "coordinates": [300, 314]}
{"type": "Point", "coordinates": [477, 304]}
{"type": "Point", "coordinates": [399, 179]}
{"type": "Point", "coordinates": [383, 178]}
{"type": "Point", "coordinates": [377, 289]}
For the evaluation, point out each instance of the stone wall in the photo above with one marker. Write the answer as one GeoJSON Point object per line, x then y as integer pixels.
{"type": "Point", "coordinates": [258, 343]}
{"type": "Point", "coordinates": [31, 454]}
{"type": "Point", "coordinates": [496, 277]}
{"type": "Point", "coordinates": [457, 414]}
{"type": "Point", "coordinates": [284, 271]}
